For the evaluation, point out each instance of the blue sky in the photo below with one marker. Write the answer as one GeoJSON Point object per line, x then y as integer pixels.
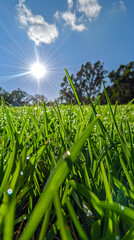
{"type": "Point", "coordinates": [62, 33]}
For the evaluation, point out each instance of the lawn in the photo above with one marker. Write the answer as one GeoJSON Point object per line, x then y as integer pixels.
{"type": "Point", "coordinates": [67, 172]}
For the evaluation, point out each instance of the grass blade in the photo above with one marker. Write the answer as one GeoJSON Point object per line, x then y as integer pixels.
{"type": "Point", "coordinates": [64, 230]}
{"type": "Point", "coordinates": [75, 93]}
{"type": "Point", "coordinates": [8, 170]}
{"type": "Point", "coordinates": [123, 211]}
{"type": "Point", "coordinates": [9, 219]}
{"type": "Point", "coordinates": [76, 222]}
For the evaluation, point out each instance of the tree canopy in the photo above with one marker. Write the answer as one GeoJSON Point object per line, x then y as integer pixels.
{"type": "Point", "coordinates": [87, 82]}
{"type": "Point", "coordinates": [122, 88]}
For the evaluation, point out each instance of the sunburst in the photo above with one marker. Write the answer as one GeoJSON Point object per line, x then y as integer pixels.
{"type": "Point", "coordinates": [34, 69]}
{"type": "Point", "coordinates": [38, 70]}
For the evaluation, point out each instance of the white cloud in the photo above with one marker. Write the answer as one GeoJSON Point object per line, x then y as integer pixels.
{"type": "Point", "coordinates": [118, 6]}
{"type": "Point", "coordinates": [80, 28]}
{"type": "Point", "coordinates": [38, 29]}
{"type": "Point", "coordinates": [85, 9]}
{"type": "Point", "coordinates": [90, 8]}
{"type": "Point", "coordinates": [70, 3]}
{"type": "Point", "coordinates": [42, 33]}
{"type": "Point", "coordinates": [57, 16]}
{"type": "Point", "coordinates": [122, 6]}
{"type": "Point", "coordinates": [70, 19]}
{"type": "Point", "coordinates": [21, 1]}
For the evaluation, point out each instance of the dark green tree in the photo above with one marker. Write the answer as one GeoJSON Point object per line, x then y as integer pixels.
{"type": "Point", "coordinates": [90, 78]}
{"type": "Point", "coordinates": [88, 82]}
{"type": "Point", "coordinates": [19, 96]}
{"type": "Point", "coordinates": [122, 88]}
{"type": "Point", "coordinates": [123, 83]}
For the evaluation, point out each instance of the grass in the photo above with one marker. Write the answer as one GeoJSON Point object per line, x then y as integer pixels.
{"type": "Point", "coordinates": [67, 172]}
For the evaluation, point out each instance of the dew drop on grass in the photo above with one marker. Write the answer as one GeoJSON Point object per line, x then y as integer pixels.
{"type": "Point", "coordinates": [117, 237]}
{"type": "Point", "coordinates": [9, 191]}
{"type": "Point", "coordinates": [68, 153]}
{"type": "Point", "coordinates": [21, 173]}
{"type": "Point", "coordinates": [27, 157]}
{"type": "Point", "coordinates": [122, 208]}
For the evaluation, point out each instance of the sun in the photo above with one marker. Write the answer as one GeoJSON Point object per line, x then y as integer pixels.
{"type": "Point", "coordinates": [38, 70]}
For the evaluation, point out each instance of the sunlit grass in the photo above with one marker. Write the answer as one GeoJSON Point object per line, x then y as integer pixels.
{"type": "Point", "coordinates": [67, 172]}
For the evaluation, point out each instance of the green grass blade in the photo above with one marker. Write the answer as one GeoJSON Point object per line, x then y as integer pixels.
{"type": "Point", "coordinates": [122, 139]}
{"type": "Point", "coordinates": [130, 234]}
{"type": "Point", "coordinates": [96, 230]}
{"type": "Point", "coordinates": [129, 134]}
{"type": "Point", "coordinates": [9, 219]}
{"type": "Point", "coordinates": [75, 93]}
{"type": "Point", "coordinates": [64, 230]}
{"type": "Point", "coordinates": [107, 188]}
{"type": "Point", "coordinates": [86, 177]}
{"type": "Point", "coordinates": [8, 170]}
{"type": "Point", "coordinates": [78, 145]}
{"type": "Point", "coordinates": [35, 122]}
{"type": "Point", "coordinates": [62, 129]}
{"type": "Point", "coordinates": [45, 224]}
{"type": "Point", "coordinates": [45, 119]}
{"type": "Point", "coordinates": [9, 127]}
{"type": "Point", "coordinates": [127, 174]}
{"type": "Point", "coordinates": [75, 221]}
{"type": "Point", "coordinates": [123, 211]}
{"type": "Point", "coordinates": [90, 196]}
{"type": "Point", "coordinates": [20, 136]}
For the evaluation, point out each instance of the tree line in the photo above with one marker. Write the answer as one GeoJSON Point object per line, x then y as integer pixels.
{"type": "Point", "coordinates": [19, 97]}
{"type": "Point", "coordinates": [88, 84]}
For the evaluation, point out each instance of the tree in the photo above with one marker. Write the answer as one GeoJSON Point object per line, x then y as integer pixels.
{"type": "Point", "coordinates": [20, 96]}
{"type": "Point", "coordinates": [123, 83]}
{"type": "Point", "coordinates": [87, 83]}
{"type": "Point", "coordinates": [6, 95]}
{"type": "Point", "coordinates": [122, 89]}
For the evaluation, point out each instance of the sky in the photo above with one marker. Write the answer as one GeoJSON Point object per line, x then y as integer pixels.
{"type": "Point", "coordinates": [61, 34]}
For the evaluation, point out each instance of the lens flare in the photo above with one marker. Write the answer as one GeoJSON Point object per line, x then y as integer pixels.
{"type": "Point", "coordinates": [38, 70]}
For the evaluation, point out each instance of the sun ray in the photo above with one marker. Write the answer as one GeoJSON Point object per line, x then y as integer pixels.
{"type": "Point", "coordinates": [7, 77]}
{"type": "Point", "coordinates": [13, 39]}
